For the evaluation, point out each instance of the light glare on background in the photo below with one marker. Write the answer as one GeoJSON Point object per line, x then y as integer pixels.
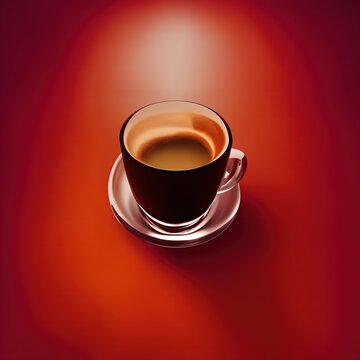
{"type": "Point", "coordinates": [172, 54]}
{"type": "Point", "coordinates": [178, 53]}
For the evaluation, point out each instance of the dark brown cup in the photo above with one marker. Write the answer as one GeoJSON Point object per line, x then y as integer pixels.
{"type": "Point", "coordinates": [179, 198]}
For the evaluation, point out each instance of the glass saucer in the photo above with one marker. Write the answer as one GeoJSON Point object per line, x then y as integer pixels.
{"type": "Point", "coordinates": [219, 216]}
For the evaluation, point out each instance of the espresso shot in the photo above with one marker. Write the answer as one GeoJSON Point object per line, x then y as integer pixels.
{"type": "Point", "coordinates": [175, 160]}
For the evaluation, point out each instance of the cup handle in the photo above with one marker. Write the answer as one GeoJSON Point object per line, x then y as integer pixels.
{"type": "Point", "coordinates": [235, 170]}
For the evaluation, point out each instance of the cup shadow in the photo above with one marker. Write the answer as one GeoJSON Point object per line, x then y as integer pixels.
{"type": "Point", "coordinates": [236, 273]}
{"type": "Point", "coordinates": [243, 244]}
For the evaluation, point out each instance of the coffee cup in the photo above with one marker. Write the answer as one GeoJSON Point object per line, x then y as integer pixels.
{"type": "Point", "coordinates": [177, 157]}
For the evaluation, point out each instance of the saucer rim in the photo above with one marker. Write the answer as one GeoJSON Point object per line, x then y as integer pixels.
{"type": "Point", "coordinates": [168, 241]}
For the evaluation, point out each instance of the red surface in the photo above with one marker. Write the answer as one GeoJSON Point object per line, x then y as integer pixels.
{"type": "Point", "coordinates": [281, 283]}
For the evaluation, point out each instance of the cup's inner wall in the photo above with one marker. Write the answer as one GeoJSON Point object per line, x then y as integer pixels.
{"type": "Point", "coordinates": [170, 120]}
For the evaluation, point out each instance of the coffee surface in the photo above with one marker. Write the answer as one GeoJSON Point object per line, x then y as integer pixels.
{"type": "Point", "coordinates": [175, 141]}
{"type": "Point", "coordinates": [181, 152]}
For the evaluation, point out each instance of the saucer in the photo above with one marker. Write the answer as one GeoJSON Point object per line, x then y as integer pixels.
{"type": "Point", "coordinates": [219, 216]}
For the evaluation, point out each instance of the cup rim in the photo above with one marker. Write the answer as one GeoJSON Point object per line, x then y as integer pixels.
{"type": "Point", "coordinates": [124, 148]}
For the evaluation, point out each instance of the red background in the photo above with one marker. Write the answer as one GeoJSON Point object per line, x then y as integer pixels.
{"type": "Point", "coordinates": [281, 282]}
